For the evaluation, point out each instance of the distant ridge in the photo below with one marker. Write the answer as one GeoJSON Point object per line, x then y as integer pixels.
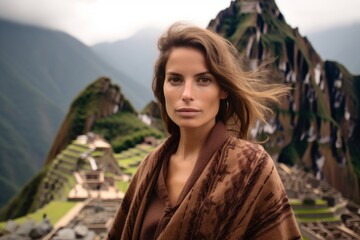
{"type": "Point", "coordinates": [132, 54]}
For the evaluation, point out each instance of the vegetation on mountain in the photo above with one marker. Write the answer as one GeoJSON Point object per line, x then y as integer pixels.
{"type": "Point", "coordinates": [102, 108]}
{"type": "Point", "coordinates": [124, 130]}
{"type": "Point", "coordinates": [152, 110]}
{"type": "Point", "coordinates": [22, 202]}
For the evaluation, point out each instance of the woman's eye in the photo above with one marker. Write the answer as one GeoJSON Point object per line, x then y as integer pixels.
{"type": "Point", "coordinates": [174, 80]}
{"type": "Point", "coordinates": [204, 80]}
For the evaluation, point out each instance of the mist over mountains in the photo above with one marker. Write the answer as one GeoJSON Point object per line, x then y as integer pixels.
{"type": "Point", "coordinates": [134, 56]}
{"type": "Point", "coordinates": [339, 44]}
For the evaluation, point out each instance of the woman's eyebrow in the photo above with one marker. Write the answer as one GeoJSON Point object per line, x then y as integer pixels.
{"type": "Point", "coordinates": [203, 73]}
{"type": "Point", "coordinates": [173, 73]}
{"type": "Point", "coordinates": [198, 74]}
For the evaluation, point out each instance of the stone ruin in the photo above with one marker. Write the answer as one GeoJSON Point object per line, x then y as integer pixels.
{"type": "Point", "coordinates": [29, 230]}
{"type": "Point", "coordinates": [92, 222]}
{"type": "Point", "coordinates": [342, 222]}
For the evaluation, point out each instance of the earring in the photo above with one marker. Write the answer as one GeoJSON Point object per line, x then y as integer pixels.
{"type": "Point", "coordinates": [227, 104]}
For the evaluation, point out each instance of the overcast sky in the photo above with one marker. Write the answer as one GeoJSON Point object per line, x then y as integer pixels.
{"type": "Point", "coordinates": [94, 21]}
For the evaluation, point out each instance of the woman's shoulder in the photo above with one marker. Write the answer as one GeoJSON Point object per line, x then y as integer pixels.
{"type": "Point", "coordinates": [241, 145]}
{"type": "Point", "coordinates": [243, 151]}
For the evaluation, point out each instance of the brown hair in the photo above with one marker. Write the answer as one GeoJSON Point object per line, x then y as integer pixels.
{"type": "Point", "coordinates": [248, 97]}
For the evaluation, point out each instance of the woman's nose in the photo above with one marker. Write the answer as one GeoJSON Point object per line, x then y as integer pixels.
{"type": "Point", "coordinates": [187, 93]}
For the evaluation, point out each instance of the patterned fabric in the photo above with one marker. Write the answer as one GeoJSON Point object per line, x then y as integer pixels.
{"type": "Point", "coordinates": [238, 195]}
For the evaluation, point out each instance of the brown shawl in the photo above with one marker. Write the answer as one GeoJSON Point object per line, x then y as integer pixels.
{"type": "Point", "coordinates": [238, 195]}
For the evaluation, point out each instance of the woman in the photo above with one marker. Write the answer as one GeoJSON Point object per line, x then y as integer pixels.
{"type": "Point", "coordinates": [206, 181]}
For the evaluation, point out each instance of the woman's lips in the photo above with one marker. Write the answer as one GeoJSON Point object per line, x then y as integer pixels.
{"type": "Point", "coordinates": [187, 112]}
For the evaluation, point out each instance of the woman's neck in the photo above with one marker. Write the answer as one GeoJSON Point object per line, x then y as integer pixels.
{"type": "Point", "coordinates": [190, 143]}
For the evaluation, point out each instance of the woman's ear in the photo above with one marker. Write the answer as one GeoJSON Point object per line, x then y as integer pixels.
{"type": "Point", "coordinates": [223, 94]}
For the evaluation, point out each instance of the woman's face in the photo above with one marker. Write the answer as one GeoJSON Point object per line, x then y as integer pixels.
{"type": "Point", "coordinates": [192, 94]}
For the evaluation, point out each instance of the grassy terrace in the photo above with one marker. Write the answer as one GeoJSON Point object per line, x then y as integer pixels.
{"type": "Point", "coordinates": [70, 153]}
{"type": "Point", "coordinates": [129, 160]}
{"type": "Point", "coordinates": [320, 208]}
{"type": "Point", "coordinates": [126, 162]}
{"type": "Point", "coordinates": [60, 174]}
{"type": "Point", "coordinates": [97, 154]}
{"type": "Point", "coordinates": [126, 154]}
{"type": "Point", "coordinates": [310, 211]}
{"type": "Point", "coordinates": [68, 160]}
{"type": "Point", "coordinates": [122, 186]}
{"type": "Point", "coordinates": [78, 147]}
{"type": "Point", "coordinates": [141, 150]}
{"type": "Point", "coordinates": [145, 147]}
{"type": "Point", "coordinates": [130, 171]}
{"type": "Point", "coordinates": [331, 219]}
{"type": "Point", "coordinates": [130, 163]}
{"type": "Point", "coordinates": [318, 201]}
{"type": "Point", "coordinates": [54, 212]}
{"type": "Point", "coordinates": [121, 156]}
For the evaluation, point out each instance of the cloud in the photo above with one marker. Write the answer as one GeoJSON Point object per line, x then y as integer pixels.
{"type": "Point", "coordinates": [96, 20]}
{"type": "Point", "coordinates": [314, 15]}
{"type": "Point", "coordinates": [92, 21]}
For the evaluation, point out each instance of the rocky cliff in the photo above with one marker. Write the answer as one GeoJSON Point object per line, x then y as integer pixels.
{"type": "Point", "coordinates": [316, 127]}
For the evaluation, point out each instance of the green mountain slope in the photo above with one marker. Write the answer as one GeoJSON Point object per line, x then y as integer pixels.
{"type": "Point", "coordinates": [41, 72]}
{"type": "Point", "coordinates": [27, 125]}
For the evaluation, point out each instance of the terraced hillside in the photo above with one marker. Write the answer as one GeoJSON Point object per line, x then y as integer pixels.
{"type": "Point", "coordinates": [321, 211]}
{"type": "Point", "coordinates": [86, 173]}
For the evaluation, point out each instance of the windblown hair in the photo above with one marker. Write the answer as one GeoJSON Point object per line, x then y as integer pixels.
{"type": "Point", "coordinates": [250, 95]}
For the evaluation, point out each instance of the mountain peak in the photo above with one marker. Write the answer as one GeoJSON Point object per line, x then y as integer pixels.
{"type": "Point", "coordinates": [99, 100]}
{"type": "Point", "coordinates": [315, 124]}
